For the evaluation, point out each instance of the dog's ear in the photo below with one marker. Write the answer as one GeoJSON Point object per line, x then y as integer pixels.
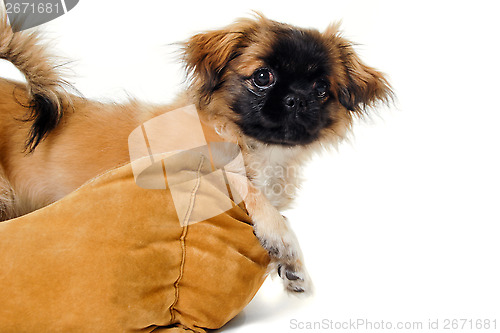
{"type": "Point", "coordinates": [358, 86]}
{"type": "Point", "coordinates": [364, 87]}
{"type": "Point", "coordinates": [206, 55]}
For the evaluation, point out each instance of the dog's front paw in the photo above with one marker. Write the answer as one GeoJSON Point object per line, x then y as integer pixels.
{"type": "Point", "coordinates": [295, 279]}
{"type": "Point", "coordinates": [280, 242]}
{"type": "Point", "coordinates": [286, 260]}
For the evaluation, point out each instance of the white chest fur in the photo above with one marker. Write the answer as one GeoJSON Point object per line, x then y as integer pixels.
{"type": "Point", "coordinates": [274, 170]}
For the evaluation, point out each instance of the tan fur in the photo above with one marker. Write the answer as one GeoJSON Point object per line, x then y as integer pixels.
{"type": "Point", "coordinates": [89, 140]}
{"type": "Point", "coordinates": [92, 137]}
{"type": "Point", "coordinates": [26, 52]}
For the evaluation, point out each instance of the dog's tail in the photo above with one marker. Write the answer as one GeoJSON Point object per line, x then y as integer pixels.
{"type": "Point", "coordinates": [47, 96]}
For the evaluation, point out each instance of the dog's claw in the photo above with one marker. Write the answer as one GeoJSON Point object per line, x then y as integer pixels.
{"type": "Point", "coordinates": [291, 276]}
{"type": "Point", "coordinates": [289, 273]}
{"type": "Point", "coordinates": [295, 281]}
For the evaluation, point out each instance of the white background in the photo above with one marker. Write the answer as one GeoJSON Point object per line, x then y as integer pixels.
{"type": "Point", "coordinates": [402, 222]}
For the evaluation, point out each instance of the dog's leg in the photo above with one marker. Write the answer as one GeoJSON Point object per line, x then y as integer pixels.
{"type": "Point", "coordinates": [276, 236]}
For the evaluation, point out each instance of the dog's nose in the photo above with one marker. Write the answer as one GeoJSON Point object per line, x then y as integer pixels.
{"type": "Point", "coordinates": [294, 102]}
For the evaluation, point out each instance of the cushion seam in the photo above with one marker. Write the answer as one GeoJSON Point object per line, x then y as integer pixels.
{"type": "Point", "coordinates": [196, 187]}
{"type": "Point", "coordinates": [182, 240]}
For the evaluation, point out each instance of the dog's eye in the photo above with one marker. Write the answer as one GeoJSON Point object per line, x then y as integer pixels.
{"type": "Point", "coordinates": [321, 88]}
{"type": "Point", "coordinates": [263, 78]}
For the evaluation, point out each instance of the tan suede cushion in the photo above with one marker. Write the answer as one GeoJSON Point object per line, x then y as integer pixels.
{"type": "Point", "coordinates": [113, 257]}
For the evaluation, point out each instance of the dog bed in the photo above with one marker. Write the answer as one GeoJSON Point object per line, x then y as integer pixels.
{"type": "Point", "coordinates": [113, 257]}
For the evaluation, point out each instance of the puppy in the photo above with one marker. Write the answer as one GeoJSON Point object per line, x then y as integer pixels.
{"type": "Point", "coordinates": [278, 91]}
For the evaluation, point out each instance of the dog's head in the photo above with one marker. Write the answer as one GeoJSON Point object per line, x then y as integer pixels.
{"type": "Point", "coordinates": [281, 84]}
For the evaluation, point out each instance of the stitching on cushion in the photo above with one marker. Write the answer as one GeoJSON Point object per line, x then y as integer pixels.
{"type": "Point", "coordinates": [182, 239]}
{"type": "Point", "coordinates": [192, 198]}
